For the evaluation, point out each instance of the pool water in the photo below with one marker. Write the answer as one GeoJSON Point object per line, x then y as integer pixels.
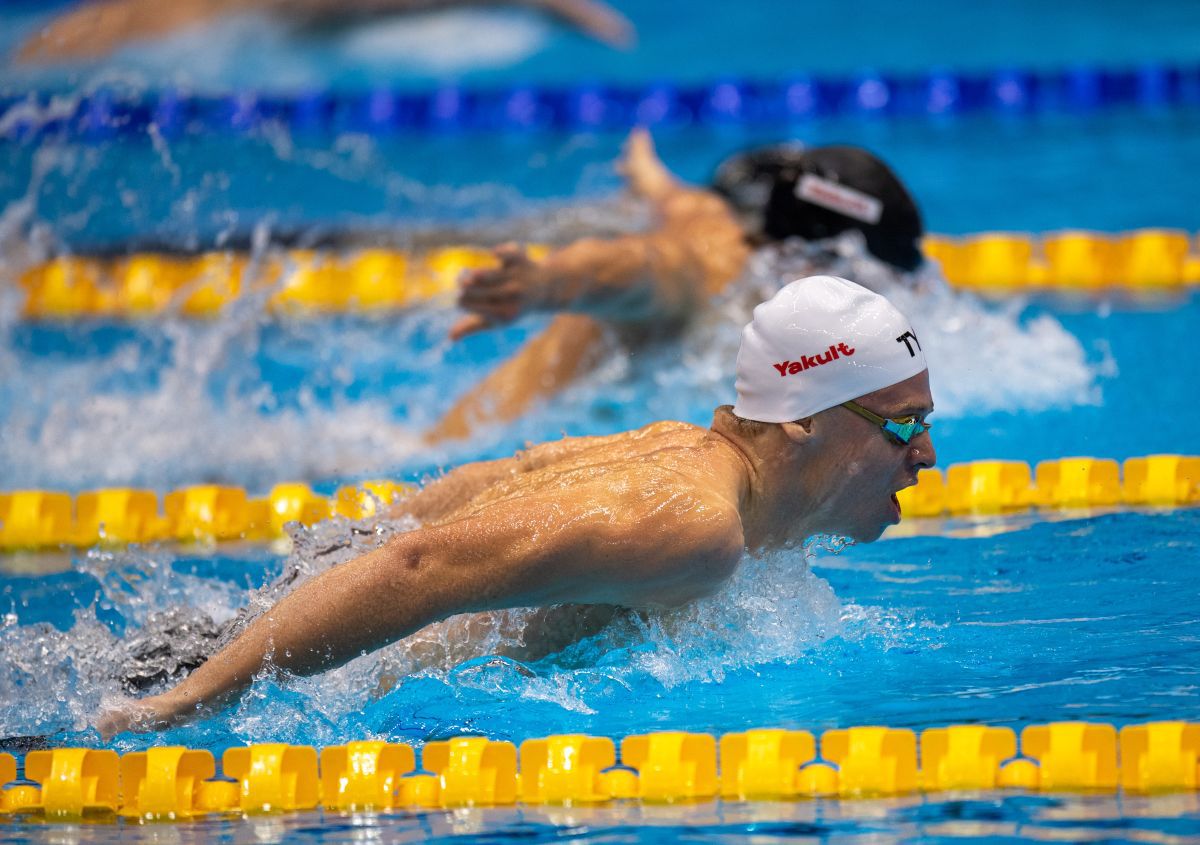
{"type": "Point", "coordinates": [1059, 620]}
{"type": "Point", "coordinates": [677, 40]}
{"type": "Point", "coordinates": [942, 818]}
{"type": "Point", "coordinates": [1010, 622]}
{"type": "Point", "coordinates": [975, 173]}
{"type": "Point", "coordinates": [1080, 616]}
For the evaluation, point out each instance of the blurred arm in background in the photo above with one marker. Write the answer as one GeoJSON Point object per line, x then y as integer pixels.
{"type": "Point", "coordinates": [644, 285]}
{"type": "Point", "coordinates": [648, 286]}
{"type": "Point", "coordinates": [94, 29]}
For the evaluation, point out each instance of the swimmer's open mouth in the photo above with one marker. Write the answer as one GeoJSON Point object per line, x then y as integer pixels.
{"type": "Point", "coordinates": [896, 499]}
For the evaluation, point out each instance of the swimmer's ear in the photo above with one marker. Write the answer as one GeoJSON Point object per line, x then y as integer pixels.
{"type": "Point", "coordinates": [798, 431]}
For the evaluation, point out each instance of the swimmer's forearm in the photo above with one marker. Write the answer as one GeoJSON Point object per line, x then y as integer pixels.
{"type": "Point", "coordinates": [96, 28]}
{"type": "Point", "coordinates": [633, 278]}
{"type": "Point", "coordinates": [483, 563]}
{"type": "Point", "coordinates": [696, 250]}
{"type": "Point", "coordinates": [348, 611]}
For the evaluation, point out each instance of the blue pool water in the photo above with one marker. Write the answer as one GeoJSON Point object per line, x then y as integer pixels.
{"type": "Point", "coordinates": [977, 173]}
{"type": "Point", "coordinates": [1083, 616]}
{"type": "Point", "coordinates": [1059, 620]}
{"type": "Point", "coordinates": [677, 40]}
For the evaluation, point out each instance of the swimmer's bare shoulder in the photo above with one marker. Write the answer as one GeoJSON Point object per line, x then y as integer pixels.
{"type": "Point", "coordinates": [647, 518]}
{"type": "Point", "coordinates": [643, 518]}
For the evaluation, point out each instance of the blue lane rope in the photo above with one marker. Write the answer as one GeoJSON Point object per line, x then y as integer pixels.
{"type": "Point", "coordinates": [106, 114]}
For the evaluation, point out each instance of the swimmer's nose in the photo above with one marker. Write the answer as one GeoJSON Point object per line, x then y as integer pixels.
{"type": "Point", "coordinates": [922, 453]}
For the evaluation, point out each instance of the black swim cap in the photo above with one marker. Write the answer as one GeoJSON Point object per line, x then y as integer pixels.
{"type": "Point", "coordinates": [823, 191]}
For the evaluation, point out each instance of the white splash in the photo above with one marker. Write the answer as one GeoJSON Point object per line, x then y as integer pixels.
{"type": "Point", "coordinates": [774, 609]}
{"type": "Point", "coordinates": [982, 357]}
{"type": "Point", "coordinates": [447, 42]}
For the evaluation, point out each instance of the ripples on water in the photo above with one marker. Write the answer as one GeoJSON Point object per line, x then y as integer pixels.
{"type": "Point", "coordinates": [997, 630]}
{"type": "Point", "coordinates": [774, 609]}
{"type": "Point", "coordinates": [1165, 819]}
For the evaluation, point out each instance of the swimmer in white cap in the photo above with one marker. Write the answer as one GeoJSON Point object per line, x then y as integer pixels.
{"type": "Point", "coordinates": [831, 209]}
{"type": "Point", "coordinates": [832, 397]}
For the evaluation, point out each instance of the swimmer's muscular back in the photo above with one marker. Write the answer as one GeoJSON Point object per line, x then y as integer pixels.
{"type": "Point", "coordinates": [660, 504]}
{"type": "Point", "coordinates": [645, 519]}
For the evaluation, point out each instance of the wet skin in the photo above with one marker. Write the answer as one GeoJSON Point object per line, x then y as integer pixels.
{"type": "Point", "coordinates": [651, 518]}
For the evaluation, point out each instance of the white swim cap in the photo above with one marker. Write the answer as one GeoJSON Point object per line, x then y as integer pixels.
{"type": "Point", "coordinates": [817, 343]}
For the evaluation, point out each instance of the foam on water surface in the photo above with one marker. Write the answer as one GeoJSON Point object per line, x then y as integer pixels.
{"type": "Point", "coordinates": [253, 400]}
{"type": "Point", "coordinates": [923, 631]}
{"type": "Point", "coordinates": [565, 660]}
{"type": "Point", "coordinates": [447, 42]}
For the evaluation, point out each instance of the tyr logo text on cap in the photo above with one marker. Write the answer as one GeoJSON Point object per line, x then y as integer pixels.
{"type": "Point", "coordinates": [904, 338]}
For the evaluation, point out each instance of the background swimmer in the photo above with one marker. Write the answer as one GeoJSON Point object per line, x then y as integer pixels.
{"type": "Point", "coordinates": [646, 519]}
{"type": "Point", "coordinates": [98, 27]}
{"type": "Point", "coordinates": [638, 289]}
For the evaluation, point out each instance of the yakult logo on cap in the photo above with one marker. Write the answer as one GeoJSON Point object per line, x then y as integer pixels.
{"type": "Point", "coordinates": [790, 368]}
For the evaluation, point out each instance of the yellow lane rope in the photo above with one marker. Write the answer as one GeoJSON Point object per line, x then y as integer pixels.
{"type": "Point", "coordinates": [39, 519]}
{"type": "Point", "coordinates": [176, 783]}
{"type": "Point", "coordinates": [380, 280]}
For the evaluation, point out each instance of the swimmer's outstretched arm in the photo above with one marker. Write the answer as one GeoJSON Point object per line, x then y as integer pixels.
{"type": "Point", "coordinates": [659, 277]}
{"type": "Point", "coordinates": [98, 27]}
{"type": "Point", "coordinates": [593, 548]}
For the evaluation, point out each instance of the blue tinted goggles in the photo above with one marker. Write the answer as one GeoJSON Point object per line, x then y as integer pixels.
{"type": "Point", "coordinates": [902, 430]}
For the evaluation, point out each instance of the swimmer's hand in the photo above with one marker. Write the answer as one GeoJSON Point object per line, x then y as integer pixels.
{"type": "Point", "coordinates": [599, 20]}
{"type": "Point", "coordinates": [647, 176]}
{"type": "Point", "coordinates": [141, 716]}
{"type": "Point", "coordinates": [497, 295]}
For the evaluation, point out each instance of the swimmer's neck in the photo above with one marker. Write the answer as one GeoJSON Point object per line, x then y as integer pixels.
{"type": "Point", "coordinates": [774, 505]}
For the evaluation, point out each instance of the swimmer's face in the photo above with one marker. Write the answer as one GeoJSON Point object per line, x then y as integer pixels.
{"type": "Point", "coordinates": [863, 467]}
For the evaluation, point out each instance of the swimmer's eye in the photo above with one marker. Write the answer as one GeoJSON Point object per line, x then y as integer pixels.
{"type": "Point", "coordinates": [905, 429]}
{"type": "Point", "coordinates": [902, 429]}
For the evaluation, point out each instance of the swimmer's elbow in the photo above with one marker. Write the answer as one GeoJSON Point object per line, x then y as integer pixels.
{"type": "Point", "coordinates": [405, 552]}
{"type": "Point", "coordinates": [466, 566]}
{"type": "Point", "coordinates": [414, 582]}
